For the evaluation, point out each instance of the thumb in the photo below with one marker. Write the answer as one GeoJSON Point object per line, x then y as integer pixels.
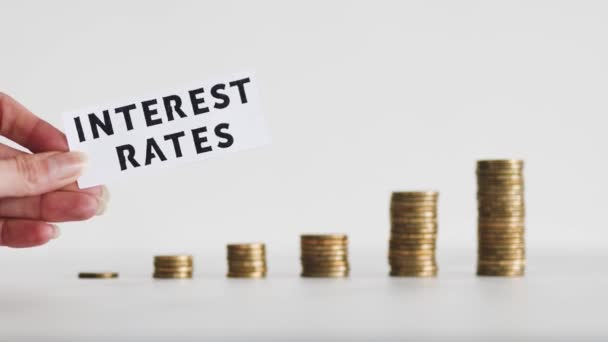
{"type": "Point", "coordinates": [35, 174]}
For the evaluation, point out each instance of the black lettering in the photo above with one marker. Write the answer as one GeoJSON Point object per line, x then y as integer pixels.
{"type": "Point", "coordinates": [241, 85]}
{"type": "Point", "coordinates": [130, 151]}
{"type": "Point", "coordinates": [79, 129]}
{"type": "Point", "coordinates": [220, 132]}
{"type": "Point", "coordinates": [196, 102]}
{"type": "Point", "coordinates": [125, 110]}
{"type": "Point", "coordinates": [105, 125]}
{"type": "Point", "coordinates": [149, 112]}
{"type": "Point", "coordinates": [200, 140]}
{"type": "Point", "coordinates": [175, 140]}
{"type": "Point", "coordinates": [215, 92]}
{"type": "Point", "coordinates": [176, 106]}
{"type": "Point", "coordinates": [152, 145]}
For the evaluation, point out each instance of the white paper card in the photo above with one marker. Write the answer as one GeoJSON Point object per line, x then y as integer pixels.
{"type": "Point", "coordinates": [193, 122]}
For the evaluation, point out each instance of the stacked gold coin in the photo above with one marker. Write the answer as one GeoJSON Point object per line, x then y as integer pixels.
{"type": "Point", "coordinates": [500, 231]}
{"type": "Point", "coordinates": [413, 236]}
{"type": "Point", "coordinates": [324, 256]}
{"type": "Point", "coordinates": [246, 260]}
{"type": "Point", "coordinates": [172, 266]}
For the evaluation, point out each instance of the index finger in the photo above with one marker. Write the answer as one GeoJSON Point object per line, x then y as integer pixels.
{"type": "Point", "coordinates": [23, 127]}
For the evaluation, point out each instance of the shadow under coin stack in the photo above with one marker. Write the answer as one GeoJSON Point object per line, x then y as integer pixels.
{"type": "Point", "coordinates": [413, 234]}
{"type": "Point", "coordinates": [324, 256]}
{"type": "Point", "coordinates": [500, 230]}
{"type": "Point", "coordinates": [246, 260]}
{"type": "Point", "coordinates": [173, 266]}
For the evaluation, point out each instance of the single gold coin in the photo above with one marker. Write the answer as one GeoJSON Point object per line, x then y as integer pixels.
{"type": "Point", "coordinates": [417, 195]}
{"type": "Point", "coordinates": [420, 274]}
{"type": "Point", "coordinates": [423, 206]}
{"type": "Point", "coordinates": [98, 275]}
{"type": "Point", "coordinates": [324, 274]}
{"type": "Point", "coordinates": [410, 253]}
{"type": "Point", "coordinates": [309, 269]}
{"type": "Point", "coordinates": [181, 257]}
{"type": "Point", "coordinates": [178, 275]}
{"type": "Point", "coordinates": [324, 263]}
{"type": "Point", "coordinates": [322, 253]}
{"type": "Point", "coordinates": [246, 246]}
{"type": "Point", "coordinates": [492, 164]}
{"type": "Point", "coordinates": [413, 267]}
{"type": "Point", "coordinates": [173, 269]}
{"type": "Point", "coordinates": [247, 263]}
{"type": "Point", "coordinates": [414, 236]}
{"type": "Point", "coordinates": [323, 237]}
{"type": "Point", "coordinates": [249, 275]}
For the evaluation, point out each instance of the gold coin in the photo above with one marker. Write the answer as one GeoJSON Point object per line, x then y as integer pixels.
{"type": "Point", "coordinates": [421, 227]}
{"type": "Point", "coordinates": [310, 269]}
{"type": "Point", "coordinates": [306, 262]}
{"type": "Point", "coordinates": [416, 267]}
{"type": "Point", "coordinates": [181, 257]}
{"type": "Point", "coordinates": [413, 215]}
{"type": "Point", "coordinates": [172, 265]}
{"type": "Point", "coordinates": [325, 258]}
{"type": "Point", "coordinates": [408, 245]}
{"type": "Point", "coordinates": [414, 236]}
{"type": "Point", "coordinates": [418, 221]}
{"type": "Point", "coordinates": [409, 253]}
{"type": "Point", "coordinates": [178, 275]}
{"type": "Point", "coordinates": [421, 274]}
{"type": "Point", "coordinates": [414, 206]}
{"type": "Point", "coordinates": [320, 243]}
{"type": "Point", "coordinates": [400, 263]}
{"type": "Point", "coordinates": [430, 256]}
{"type": "Point", "coordinates": [500, 274]}
{"type": "Point", "coordinates": [240, 263]}
{"type": "Point", "coordinates": [323, 248]}
{"type": "Point", "coordinates": [322, 254]}
{"type": "Point", "coordinates": [324, 274]}
{"type": "Point", "coordinates": [492, 164]}
{"type": "Point", "coordinates": [246, 246]}
{"type": "Point", "coordinates": [246, 255]}
{"type": "Point", "coordinates": [414, 195]}
{"type": "Point", "coordinates": [173, 269]}
{"type": "Point", "coordinates": [250, 275]}
{"type": "Point", "coordinates": [97, 275]}
{"type": "Point", "coordinates": [323, 237]}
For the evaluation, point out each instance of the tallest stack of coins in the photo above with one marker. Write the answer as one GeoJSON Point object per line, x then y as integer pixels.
{"type": "Point", "coordinates": [500, 230]}
{"type": "Point", "coordinates": [413, 234]}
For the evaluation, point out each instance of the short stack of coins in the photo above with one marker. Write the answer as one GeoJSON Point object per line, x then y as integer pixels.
{"type": "Point", "coordinates": [247, 260]}
{"type": "Point", "coordinates": [172, 266]}
{"type": "Point", "coordinates": [324, 256]}
{"type": "Point", "coordinates": [413, 217]}
{"type": "Point", "coordinates": [500, 230]}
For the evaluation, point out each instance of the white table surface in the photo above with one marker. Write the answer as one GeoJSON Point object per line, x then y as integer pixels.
{"type": "Point", "coordinates": [561, 297]}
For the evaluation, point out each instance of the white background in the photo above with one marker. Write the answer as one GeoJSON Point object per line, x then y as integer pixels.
{"type": "Point", "coordinates": [362, 98]}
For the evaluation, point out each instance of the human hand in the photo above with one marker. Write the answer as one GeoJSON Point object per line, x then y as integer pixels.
{"type": "Point", "coordinates": [39, 187]}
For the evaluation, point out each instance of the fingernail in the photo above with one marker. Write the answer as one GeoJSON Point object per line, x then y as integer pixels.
{"type": "Point", "coordinates": [68, 165]}
{"type": "Point", "coordinates": [56, 231]}
{"type": "Point", "coordinates": [103, 200]}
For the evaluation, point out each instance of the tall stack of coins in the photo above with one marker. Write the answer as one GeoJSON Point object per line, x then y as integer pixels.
{"type": "Point", "coordinates": [500, 202]}
{"type": "Point", "coordinates": [413, 234]}
{"type": "Point", "coordinates": [246, 260]}
{"type": "Point", "coordinates": [324, 256]}
{"type": "Point", "coordinates": [172, 266]}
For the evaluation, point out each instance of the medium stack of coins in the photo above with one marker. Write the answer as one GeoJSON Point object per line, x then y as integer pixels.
{"type": "Point", "coordinates": [500, 202]}
{"type": "Point", "coordinates": [247, 260]}
{"type": "Point", "coordinates": [324, 256]}
{"type": "Point", "coordinates": [172, 266]}
{"type": "Point", "coordinates": [413, 234]}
